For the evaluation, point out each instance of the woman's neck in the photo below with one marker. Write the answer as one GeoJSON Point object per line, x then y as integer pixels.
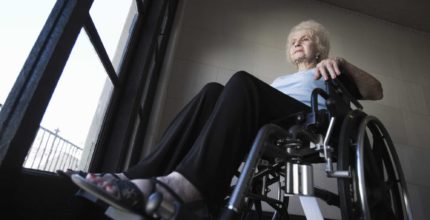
{"type": "Point", "coordinates": [305, 66]}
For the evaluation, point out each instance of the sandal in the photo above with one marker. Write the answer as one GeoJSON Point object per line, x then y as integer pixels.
{"type": "Point", "coordinates": [69, 172]}
{"type": "Point", "coordinates": [176, 209]}
{"type": "Point", "coordinates": [128, 197]}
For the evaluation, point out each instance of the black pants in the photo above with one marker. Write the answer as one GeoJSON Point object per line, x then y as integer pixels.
{"type": "Point", "coordinates": [209, 138]}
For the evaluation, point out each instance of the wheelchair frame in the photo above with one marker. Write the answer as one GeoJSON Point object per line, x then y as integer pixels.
{"type": "Point", "coordinates": [277, 153]}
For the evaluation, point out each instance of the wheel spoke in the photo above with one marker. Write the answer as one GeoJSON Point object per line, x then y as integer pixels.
{"type": "Point", "coordinates": [384, 185]}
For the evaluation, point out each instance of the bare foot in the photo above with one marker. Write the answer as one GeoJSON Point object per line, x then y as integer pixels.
{"type": "Point", "coordinates": [176, 181]}
{"type": "Point", "coordinates": [181, 186]}
{"type": "Point", "coordinates": [101, 180]}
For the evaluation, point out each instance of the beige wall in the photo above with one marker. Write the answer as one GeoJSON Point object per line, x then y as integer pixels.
{"type": "Point", "coordinates": [213, 39]}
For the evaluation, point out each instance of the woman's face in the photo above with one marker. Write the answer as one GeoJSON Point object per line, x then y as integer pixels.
{"type": "Point", "coordinates": [302, 47]}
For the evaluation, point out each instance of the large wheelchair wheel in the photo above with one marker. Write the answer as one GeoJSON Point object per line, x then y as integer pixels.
{"type": "Point", "coordinates": [377, 187]}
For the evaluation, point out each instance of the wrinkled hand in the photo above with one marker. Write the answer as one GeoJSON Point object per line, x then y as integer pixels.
{"type": "Point", "coordinates": [328, 68]}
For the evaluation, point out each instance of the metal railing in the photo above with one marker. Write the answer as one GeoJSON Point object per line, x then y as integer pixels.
{"type": "Point", "coordinates": [51, 152]}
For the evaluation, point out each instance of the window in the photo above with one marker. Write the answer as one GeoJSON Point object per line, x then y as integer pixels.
{"type": "Point", "coordinates": [72, 121]}
{"type": "Point", "coordinates": [137, 57]}
{"type": "Point", "coordinates": [126, 82]}
{"type": "Point", "coordinates": [20, 25]}
{"type": "Point", "coordinates": [60, 141]}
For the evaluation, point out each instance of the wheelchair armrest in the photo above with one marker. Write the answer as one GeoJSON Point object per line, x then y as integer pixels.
{"type": "Point", "coordinates": [339, 87]}
{"type": "Point", "coordinates": [339, 95]}
{"type": "Point", "coordinates": [315, 116]}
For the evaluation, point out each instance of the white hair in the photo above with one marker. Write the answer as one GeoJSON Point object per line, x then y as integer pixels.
{"type": "Point", "coordinates": [318, 32]}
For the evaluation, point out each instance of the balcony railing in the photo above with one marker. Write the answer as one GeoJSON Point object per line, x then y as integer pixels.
{"type": "Point", "coordinates": [51, 152]}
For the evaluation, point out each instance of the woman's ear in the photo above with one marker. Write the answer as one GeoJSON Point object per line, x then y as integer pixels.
{"type": "Point", "coordinates": [317, 57]}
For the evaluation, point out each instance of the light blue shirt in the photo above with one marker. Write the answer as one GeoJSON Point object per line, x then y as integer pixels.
{"type": "Point", "coordinates": [300, 86]}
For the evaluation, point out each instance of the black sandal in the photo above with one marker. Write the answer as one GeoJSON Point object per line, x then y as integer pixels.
{"type": "Point", "coordinates": [177, 209]}
{"type": "Point", "coordinates": [128, 197]}
{"type": "Point", "coordinates": [69, 172]}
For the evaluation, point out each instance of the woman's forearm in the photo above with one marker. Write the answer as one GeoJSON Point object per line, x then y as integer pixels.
{"type": "Point", "coordinates": [370, 88]}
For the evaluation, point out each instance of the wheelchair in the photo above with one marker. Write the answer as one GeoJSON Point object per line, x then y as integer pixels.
{"type": "Point", "coordinates": [371, 184]}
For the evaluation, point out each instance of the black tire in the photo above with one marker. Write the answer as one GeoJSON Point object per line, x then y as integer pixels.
{"type": "Point", "coordinates": [377, 188]}
{"type": "Point", "coordinates": [347, 138]}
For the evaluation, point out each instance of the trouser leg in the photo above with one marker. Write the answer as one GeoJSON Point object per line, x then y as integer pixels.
{"type": "Point", "coordinates": [179, 136]}
{"type": "Point", "coordinates": [245, 104]}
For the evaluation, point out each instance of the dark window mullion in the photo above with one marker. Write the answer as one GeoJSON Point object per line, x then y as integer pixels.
{"type": "Point", "coordinates": [161, 41]}
{"type": "Point", "coordinates": [116, 139]}
{"type": "Point", "coordinates": [95, 39]}
{"type": "Point", "coordinates": [30, 95]}
{"type": "Point", "coordinates": [141, 6]}
{"type": "Point", "coordinates": [9, 111]}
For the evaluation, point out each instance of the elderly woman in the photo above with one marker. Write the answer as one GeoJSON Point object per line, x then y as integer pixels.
{"type": "Point", "coordinates": [205, 144]}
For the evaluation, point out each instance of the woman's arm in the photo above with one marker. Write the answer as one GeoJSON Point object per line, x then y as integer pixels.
{"type": "Point", "coordinates": [370, 88]}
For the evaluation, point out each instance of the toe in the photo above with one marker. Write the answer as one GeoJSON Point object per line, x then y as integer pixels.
{"type": "Point", "coordinates": [110, 188]}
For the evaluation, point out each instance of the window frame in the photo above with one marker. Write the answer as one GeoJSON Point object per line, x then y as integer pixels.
{"type": "Point", "coordinates": [133, 96]}
{"type": "Point", "coordinates": [24, 108]}
{"type": "Point", "coordinates": [135, 102]}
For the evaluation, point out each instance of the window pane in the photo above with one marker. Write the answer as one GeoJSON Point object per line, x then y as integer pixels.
{"type": "Point", "coordinates": [113, 24]}
{"type": "Point", "coordinates": [20, 25]}
{"type": "Point", "coordinates": [81, 93]}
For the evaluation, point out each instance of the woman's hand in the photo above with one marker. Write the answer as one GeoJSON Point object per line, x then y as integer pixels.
{"type": "Point", "coordinates": [369, 87]}
{"type": "Point", "coordinates": [328, 68]}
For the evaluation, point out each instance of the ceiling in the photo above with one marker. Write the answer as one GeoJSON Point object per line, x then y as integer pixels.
{"type": "Point", "coordinates": [410, 13]}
